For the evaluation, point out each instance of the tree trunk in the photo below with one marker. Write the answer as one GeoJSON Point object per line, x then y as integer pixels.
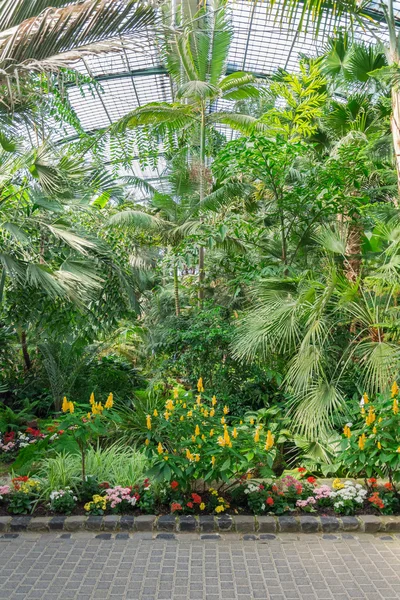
{"type": "Point", "coordinates": [176, 292]}
{"type": "Point", "coordinates": [25, 353]}
{"type": "Point", "coordinates": [395, 125]}
{"type": "Point", "coordinates": [200, 294]}
{"type": "Point", "coordinates": [353, 252]}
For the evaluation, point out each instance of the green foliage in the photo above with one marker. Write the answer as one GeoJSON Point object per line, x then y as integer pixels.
{"type": "Point", "coordinates": [191, 440]}
{"type": "Point", "coordinates": [371, 445]}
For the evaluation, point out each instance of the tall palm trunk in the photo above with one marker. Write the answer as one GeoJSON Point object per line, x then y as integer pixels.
{"type": "Point", "coordinates": [176, 291]}
{"type": "Point", "coordinates": [395, 125]}
{"type": "Point", "coordinates": [25, 353]}
{"type": "Point", "coordinates": [200, 295]}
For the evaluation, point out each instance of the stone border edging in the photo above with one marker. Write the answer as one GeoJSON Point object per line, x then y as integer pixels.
{"type": "Point", "coordinates": [203, 524]}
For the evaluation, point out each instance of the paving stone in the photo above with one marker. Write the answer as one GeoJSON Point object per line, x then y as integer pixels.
{"type": "Point", "coordinates": [39, 524]}
{"type": "Point", "coordinates": [165, 536]}
{"type": "Point", "coordinates": [207, 523]}
{"type": "Point", "coordinates": [330, 524]}
{"type": "Point", "coordinates": [94, 523]}
{"type": "Point", "coordinates": [266, 524]}
{"type": "Point", "coordinates": [210, 536]}
{"type": "Point", "coordinates": [288, 524]}
{"type": "Point", "coordinates": [111, 522]}
{"type": "Point", "coordinates": [391, 523]}
{"type": "Point", "coordinates": [122, 536]}
{"type": "Point", "coordinates": [187, 523]}
{"type": "Point", "coordinates": [245, 524]}
{"type": "Point", "coordinates": [20, 523]}
{"type": "Point", "coordinates": [57, 523]}
{"type": "Point", "coordinates": [350, 523]}
{"type": "Point", "coordinates": [309, 524]}
{"type": "Point", "coordinates": [166, 523]}
{"type": "Point", "coordinates": [249, 537]}
{"type": "Point", "coordinates": [74, 523]}
{"type": "Point", "coordinates": [267, 536]}
{"type": "Point", "coordinates": [5, 523]}
{"type": "Point", "coordinates": [370, 523]}
{"type": "Point", "coordinates": [103, 536]}
{"type": "Point", "coordinates": [145, 522]}
{"type": "Point", "coordinates": [224, 522]}
{"type": "Point", "coordinates": [127, 523]}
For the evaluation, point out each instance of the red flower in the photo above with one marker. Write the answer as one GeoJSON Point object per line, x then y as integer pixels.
{"type": "Point", "coordinates": [274, 487]}
{"type": "Point", "coordinates": [174, 485]}
{"type": "Point", "coordinates": [34, 432]}
{"type": "Point", "coordinates": [302, 470]}
{"type": "Point", "coordinates": [389, 487]}
{"type": "Point", "coordinates": [372, 481]}
{"type": "Point", "coordinates": [190, 504]}
{"type": "Point", "coordinates": [375, 499]}
{"type": "Point", "coordinates": [175, 506]}
{"type": "Point", "coordinates": [269, 501]}
{"type": "Point", "coordinates": [9, 437]}
{"type": "Point", "coordinates": [311, 480]}
{"type": "Point", "coordinates": [196, 498]}
{"type": "Point", "coordinates": [104, 485]}
{"type": "Point", "coordinates": [261, 486]}
{"type": "Point", "coordinates": [60, 432]}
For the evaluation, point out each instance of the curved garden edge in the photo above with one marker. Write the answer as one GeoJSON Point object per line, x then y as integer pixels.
{"type": "Point", "coordinates": [203, 524]}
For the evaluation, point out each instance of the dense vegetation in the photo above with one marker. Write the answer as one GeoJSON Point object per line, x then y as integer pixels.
{"type": "Point", "coordinates": [270, 267]}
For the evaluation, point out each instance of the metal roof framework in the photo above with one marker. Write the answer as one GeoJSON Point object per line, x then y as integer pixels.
{"type": "Point", "coordinates": [135, 75]}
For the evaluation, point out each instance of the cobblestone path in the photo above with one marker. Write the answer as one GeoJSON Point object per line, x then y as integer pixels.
{"type": "Point", "coordinates": [120, 567]}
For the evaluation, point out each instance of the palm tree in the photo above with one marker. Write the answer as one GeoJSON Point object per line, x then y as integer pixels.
{"type": "Point", "coordinates": [37, 36]}
{"type": "Point", "coordinates": [176, 217]}
{"type": "Point", "coordinates": [196, 57]}
{"type": "Point", "coordinates": [330, 330]}
{"type": "Point", "coordinates": [316, 15]}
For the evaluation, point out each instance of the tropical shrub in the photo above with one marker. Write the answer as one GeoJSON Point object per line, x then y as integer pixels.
{"type": "Point", "coordinates": [23, 495]}
{"type": "Point", "coordinates": [197, 439]}
{"type": "Point", "coordinates": [371, 446]}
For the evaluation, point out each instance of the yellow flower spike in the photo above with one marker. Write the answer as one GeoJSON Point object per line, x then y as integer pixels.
{"type": "Point", "coordinates": [252, 421]}
{"type": "Point", "coordinates": [202, 506]}
{"type": "Point", "coordinates": [110, 401]}
{"type": "Point", "coordinates": [182, 418]}
{"type": "Point", "coordinates": [395, 389]}
{"type": "Point", "coordinates": [91, 400]}
{"type": "Point", "coordinates": [155, 413]}
{"type": "Point", "coordinates": [189, 413]}
{"type": "Point", "coordinates": [148, 422]}
{"type": "Point", "coordinates": [222, 420]}
{"type": "Point", "coordinates": [234, 433]}
{"type": "Point", "coordinates": [361, 441]}
{"type": "Point", "coordinates": [147, 442]}
{"type": "Point", "coordinates": [269, 442]}
{"type": "Point", "coordinates": [169, 405]}
{"type": "Point", "coordinates": [203, 437]}
{"type": "Point", "coordinates": [197, 430]}
{"type": "Point", "coordinates": [199, 445]}
{"type": "Point", "coordinates": [166, 415]}
{"type": "Point", "coordinates": [398, 449]}
{"type": "Point", "coordinates": [257, 435]}
{"type": "Point", "coordinates": [211, 432]}
{"type": "Point", "coordinates": [176, 393]}
{"type": "Point", "coordinates": [214, 400]}
{"type": "Point", "coordinates": [165, 457]}
{"type": "Point", "coordinates": [226, 410]}
{"type": "Point", "coordinates": [212, 412]}
{"type": "Point", "coordinates": [197, 457]}
{"type": "Point", "coordinates": [198, 400]}
{"type": "Point", "coordinates": [362, 410]}
{"type": "Point", "coordinates": [193, 438]}
{"type": "Point", "coordinates": [71, 407]}
{"type": "Point", "coordinates": [347, 431]}
{"type": "Point", "coordinates": [89, 415]}
{"type": "Point", "coordinates": [65, 404]}
{"type": "Point", "coordinates": [395, 406]}
{"type": "Point", "coordinates": [380, 420]}
{"type": "Point", "coordinates": [160, 449]}
{"type": "Point", "coordinates": [200, 387]}
{"type": "Point", "coordinates": [379, 445]}
{"type": "Point", "coordinates": [240, 422]}
{"type": "Point", "coordinates": [184, 405]}
{"type": "Point", "coordinates": [374, 430]}
{"type": "Point", "coordinates": [365, 397]}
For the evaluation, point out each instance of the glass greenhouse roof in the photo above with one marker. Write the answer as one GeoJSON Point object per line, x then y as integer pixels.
{"type": "Point", "coordinates": [135, 75]}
